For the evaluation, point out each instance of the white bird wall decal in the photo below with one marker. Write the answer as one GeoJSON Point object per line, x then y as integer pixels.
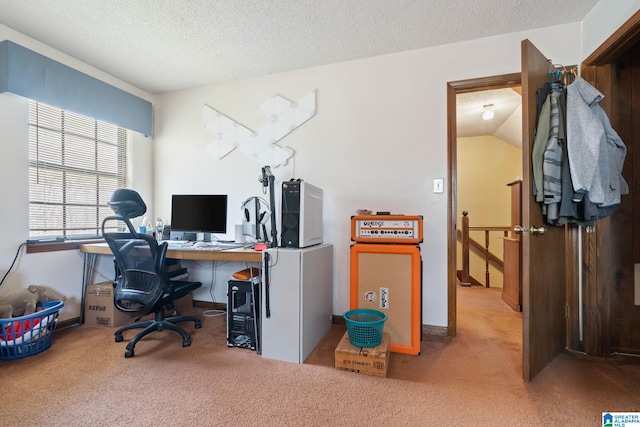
{"type": "Point", "coordinates": [284, 117]}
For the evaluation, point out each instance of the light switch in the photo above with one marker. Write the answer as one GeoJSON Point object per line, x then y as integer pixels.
{"type": "Point", "coordinates": [438, 185]}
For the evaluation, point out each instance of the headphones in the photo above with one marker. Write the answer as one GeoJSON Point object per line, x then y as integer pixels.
{"type": "Point", "coordinates": [263, 217]}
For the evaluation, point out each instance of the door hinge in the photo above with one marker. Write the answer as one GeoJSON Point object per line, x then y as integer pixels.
{"type": "Point", "coordinates": [567, 311]}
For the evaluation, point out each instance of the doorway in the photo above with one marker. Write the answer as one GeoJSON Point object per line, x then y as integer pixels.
{"type": "Point", "coordinates": [453, 90]}
{"type": "Point", "coordinates": [546, 331]}
{"type": "Point", "coordinates": [489, 164]}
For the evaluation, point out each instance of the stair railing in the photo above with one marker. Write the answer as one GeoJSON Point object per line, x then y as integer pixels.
{"type": "Point", "coordinates": [468, 242]}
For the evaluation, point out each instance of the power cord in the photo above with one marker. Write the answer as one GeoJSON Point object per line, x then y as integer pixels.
{"type": "Point", "coordinates": [13, 263]}
{"type": "Point", "coordinates": [213, 312]}
{"type": "Point", "coordinates": [96, 272]}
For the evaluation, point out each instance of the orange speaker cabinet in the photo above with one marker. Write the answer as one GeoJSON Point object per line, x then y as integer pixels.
{"type": "Point", "coordinates": [388, 278]}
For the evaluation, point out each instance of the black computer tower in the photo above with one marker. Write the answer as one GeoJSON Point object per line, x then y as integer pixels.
{"type": "Point", "coordinates": [301, 214]}
{"type": "Point", "coordinates": [243, 314]}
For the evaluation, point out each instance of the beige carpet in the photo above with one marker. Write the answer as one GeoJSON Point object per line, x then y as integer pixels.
{"type": "Point", "coordinates": [471, 380]}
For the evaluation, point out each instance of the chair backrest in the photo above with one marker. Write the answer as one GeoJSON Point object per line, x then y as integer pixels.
{"type": "Point", "coordinates": [140, 282]}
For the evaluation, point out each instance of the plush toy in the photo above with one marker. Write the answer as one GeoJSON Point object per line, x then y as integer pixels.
{"type": "Point", "coordinates": [24, 301]}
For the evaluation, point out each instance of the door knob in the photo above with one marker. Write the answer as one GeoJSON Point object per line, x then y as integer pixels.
{"type": "Point", "coordinates": [518, 229]}
{"type": "Point", "coordinates": [537, 230]}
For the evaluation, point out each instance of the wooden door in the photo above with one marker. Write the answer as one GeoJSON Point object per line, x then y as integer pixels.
{"type": "Point", "coordinates": [543, 262]}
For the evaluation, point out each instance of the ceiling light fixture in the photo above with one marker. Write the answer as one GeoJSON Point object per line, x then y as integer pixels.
{"type": "Point", "coordinates": [488, 112]}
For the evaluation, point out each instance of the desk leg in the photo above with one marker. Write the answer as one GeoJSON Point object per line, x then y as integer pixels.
{"type": "Point", "coordinates": [87, 278]}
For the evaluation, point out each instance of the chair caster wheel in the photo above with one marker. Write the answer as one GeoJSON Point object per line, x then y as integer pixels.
{"type": "Point", "coordinates": [119, 338]}
{"type": "Point", "coordinates": [128, 353]}
{"type": "Point", "coordinates": [186, 343]}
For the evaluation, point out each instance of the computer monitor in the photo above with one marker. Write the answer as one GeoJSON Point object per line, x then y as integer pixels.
{"type": "Point", "coordinates": [199, 213]}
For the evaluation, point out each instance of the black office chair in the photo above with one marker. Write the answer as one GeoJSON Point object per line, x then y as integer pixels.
{"type": "Point", "coordinates": [141, 284]}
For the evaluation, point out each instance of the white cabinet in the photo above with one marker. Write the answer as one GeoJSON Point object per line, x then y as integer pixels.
{"type": "Point", "coordinates": [296, 301]}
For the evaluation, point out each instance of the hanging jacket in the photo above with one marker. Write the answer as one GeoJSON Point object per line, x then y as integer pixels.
{"type": "Point", "coordinates": [552, 158]}
{"type": "Point", "coordinates": [539, 145]}
{"type": "Point", "coordinates": [596, 152]}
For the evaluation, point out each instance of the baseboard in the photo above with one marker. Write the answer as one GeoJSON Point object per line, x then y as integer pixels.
{"type": "Point", "coordinates": [439, 331]}
{"type": "Point", "coordinates": [74, 321]}
{"type": "Point", "coordinates": [338, 320]}
{"type": "Point", "coordinates": [64, 324]}
{"type": "Point", "coordinates": [472, 281]}
{"type": "Point", "coordinates": [208, 305]}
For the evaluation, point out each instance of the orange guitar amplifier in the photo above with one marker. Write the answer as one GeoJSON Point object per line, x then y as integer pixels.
{"type": "Point", "coordinates": [403, 229]}
{"type": "Point", "coordinates": [388, 278]}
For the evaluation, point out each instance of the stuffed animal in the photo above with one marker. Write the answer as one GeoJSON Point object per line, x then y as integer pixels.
{"type": "Point", "coordinates": [24, 301]}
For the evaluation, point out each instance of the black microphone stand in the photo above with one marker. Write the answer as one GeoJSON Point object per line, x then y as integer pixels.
{"type": "Point", "coordinates": [267, 179]}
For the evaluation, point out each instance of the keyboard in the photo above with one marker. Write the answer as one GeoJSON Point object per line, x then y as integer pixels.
{"type": "Point", "coordinates": [204, 245]}
{"type": "Point", "coordinates": [178, 242]}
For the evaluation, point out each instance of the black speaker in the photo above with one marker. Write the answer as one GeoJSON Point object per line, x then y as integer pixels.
{"type": "Point", "coordinates": [290, 215]}
{"type": "Point", "coordinates": [182, 235]}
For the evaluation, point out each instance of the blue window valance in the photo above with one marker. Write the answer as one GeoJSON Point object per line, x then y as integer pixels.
{"type": "Point", "coordinates": [34, 76]}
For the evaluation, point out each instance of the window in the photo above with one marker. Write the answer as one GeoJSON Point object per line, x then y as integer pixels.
{"type": "Point", "coordinates": [75, 164]}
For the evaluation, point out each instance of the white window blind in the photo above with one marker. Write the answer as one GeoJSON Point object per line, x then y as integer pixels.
{"type": "Point", "coordinates": [75, 164]}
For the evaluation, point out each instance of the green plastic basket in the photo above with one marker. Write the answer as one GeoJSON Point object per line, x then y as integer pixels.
{"type": "Point", "coordinates": [365, 326]}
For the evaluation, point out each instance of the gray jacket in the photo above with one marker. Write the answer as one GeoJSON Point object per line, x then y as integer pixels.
{"type": "Point", "coordinates": [596, 152]}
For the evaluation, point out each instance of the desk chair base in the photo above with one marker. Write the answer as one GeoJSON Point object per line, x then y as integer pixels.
{"type": "Point", "coordinates": [159, 323]}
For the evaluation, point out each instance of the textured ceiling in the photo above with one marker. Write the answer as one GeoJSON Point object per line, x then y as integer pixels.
{"type": "Point", "coordinates": [507, 122]}
{"type": "Point", "coordinates": [166, 45]}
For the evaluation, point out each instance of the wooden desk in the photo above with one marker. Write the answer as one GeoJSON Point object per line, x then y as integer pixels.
{"type": "Point", "coordinates": [188, 253]}
{"type": "Point", "coordinates": [92, 250]}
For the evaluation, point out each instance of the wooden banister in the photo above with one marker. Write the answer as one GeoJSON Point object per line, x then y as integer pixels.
{"type": "Point", "coordinates": [468, 242]}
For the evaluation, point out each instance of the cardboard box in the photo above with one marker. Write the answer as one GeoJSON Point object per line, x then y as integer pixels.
{"type": "Point", "coordinates": [99, 309]}
{"type": "Point", "coordinates": [366, 360]}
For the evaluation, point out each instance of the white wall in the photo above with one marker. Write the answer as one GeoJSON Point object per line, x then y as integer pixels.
{"type": "Point", "coordinates": [377, 141]}
{"type": "Point", "coordinates": [603, 20]}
